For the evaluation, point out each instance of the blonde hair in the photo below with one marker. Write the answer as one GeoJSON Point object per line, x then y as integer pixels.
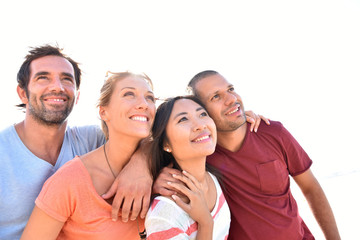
{"type": "Point", "coordinates": [107, 90]}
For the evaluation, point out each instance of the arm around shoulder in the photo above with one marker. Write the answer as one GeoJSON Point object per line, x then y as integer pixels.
{"type": "Point", "coordinates": [132, 187]}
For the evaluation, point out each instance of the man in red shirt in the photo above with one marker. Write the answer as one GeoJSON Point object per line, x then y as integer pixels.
{"type": "Point", "coordinates": [256, 169]}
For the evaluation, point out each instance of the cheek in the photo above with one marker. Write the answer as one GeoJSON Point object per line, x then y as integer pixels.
{"type": "Point", "coordinates": [217, 121]}
{"type": "Point", "coordinates": [215, 116]}
{"type": "Point", "coordinates": [177, 139]}
{"type": "Point", "coordinates": [213, 110]}
{"type": "Point", "coordinates": [152, 112]}
{"type": "Point", "coordinates": [240, 99]}
{"type": "Point", "coordinates": [32, 97]}
{"type": "Point", "coordinates": [212, 125]}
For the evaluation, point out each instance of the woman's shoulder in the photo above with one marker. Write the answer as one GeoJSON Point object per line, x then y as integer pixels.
{"type": "Point", "coordinates": [161, 202]}
{"type": "Point", "coordinates": [164, 213]}
{"type": "Point", "coordinates": [216, 182]}
{"type": "Point", "coordinates": [70, 172]}
{"type": "Point", "coordinates": [165, 207]}
{"type": "Point", "coordinates": [73, 166]}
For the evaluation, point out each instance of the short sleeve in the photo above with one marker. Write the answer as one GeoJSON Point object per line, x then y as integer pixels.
{"type": "Point", "coordinates": [296, 158]}
{"type": "Point", "coordinates": [57, 198]}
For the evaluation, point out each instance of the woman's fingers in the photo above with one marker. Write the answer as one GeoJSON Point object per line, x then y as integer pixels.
{"type": "Point", "coordinates": [193, 179]}
{"type": "Point", "coordinates": [182, 189]}
{"type": "Point", "coordinates": [186, 207]}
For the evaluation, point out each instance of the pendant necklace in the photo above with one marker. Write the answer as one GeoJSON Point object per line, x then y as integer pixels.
{"type": "Point", "coordinates": [143, 233]}
{"type": "Point", "coordinates": [107, 160]}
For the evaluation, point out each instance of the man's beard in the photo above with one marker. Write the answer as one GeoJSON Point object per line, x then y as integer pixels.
{"type": "Point", "coordinates": [230, 126]}
{"type": "Point", "coordinates": [50, 117]}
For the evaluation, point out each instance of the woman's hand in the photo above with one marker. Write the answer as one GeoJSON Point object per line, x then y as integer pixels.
{"type": "Point", "coordinates": [255, 120]}
{"type": "Point", "coordinates": [197, 207]}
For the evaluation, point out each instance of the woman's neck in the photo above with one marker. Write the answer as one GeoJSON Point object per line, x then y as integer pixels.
{"type": "Point", "coordinates": [196, 167]}
{"type": "Point", "coordinates": [119, 151]}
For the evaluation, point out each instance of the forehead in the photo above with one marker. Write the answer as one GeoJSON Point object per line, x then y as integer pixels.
{"type": "Point", "coordinates": [51, 64]}
{"type": "Point", "coordinates": [133, 82]}
{"type": "Point", "coordinates": [211, 84]}
{"type": "Point", "coordinates": [184, 105]}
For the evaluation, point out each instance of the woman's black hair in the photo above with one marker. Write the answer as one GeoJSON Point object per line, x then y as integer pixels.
{"type": "Point", "coordinates": [159, 157]}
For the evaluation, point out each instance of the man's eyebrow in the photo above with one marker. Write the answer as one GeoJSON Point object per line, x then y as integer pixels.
{"type": "Point", "coordinates": [41, 73]}
{"type": "Point", "coordinates": [48, 73]}
{"type": "Point", "coordinates": [212, 94]}
{"type": "Point", "coordinates": [67, 74]}
{"type": "Point", "coordinates": [217, 91]}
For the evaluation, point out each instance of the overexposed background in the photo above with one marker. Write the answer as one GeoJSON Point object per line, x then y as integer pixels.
{"type": "Point", "coordinates": [293, 61]}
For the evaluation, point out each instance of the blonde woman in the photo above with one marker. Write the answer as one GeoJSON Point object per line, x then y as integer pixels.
{"type": "Point", "coordinates": [70, 205]}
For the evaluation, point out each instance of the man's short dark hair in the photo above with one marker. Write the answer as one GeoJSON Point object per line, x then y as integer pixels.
{"type": "Point", "coordinates": [191, 85]}
{"type": "Point", "coordinates": [23, 76]}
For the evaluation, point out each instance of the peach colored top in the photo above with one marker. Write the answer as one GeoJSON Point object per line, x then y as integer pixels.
{"type": "Point", "coordinates": [69, 196]}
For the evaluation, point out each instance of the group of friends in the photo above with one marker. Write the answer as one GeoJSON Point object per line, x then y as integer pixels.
{"type": "Point", "coordinates": [196, 167]}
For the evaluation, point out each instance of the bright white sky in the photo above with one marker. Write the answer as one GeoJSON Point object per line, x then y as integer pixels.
{"type": "Point", "coordinates": [292, 61]}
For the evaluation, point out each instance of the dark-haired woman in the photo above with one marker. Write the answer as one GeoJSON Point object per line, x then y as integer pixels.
{"type": "Point", "coordinates": [184, 134]}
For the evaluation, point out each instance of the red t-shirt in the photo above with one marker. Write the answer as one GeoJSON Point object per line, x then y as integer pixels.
{"type": "Point", "coordinates": [257, 184]}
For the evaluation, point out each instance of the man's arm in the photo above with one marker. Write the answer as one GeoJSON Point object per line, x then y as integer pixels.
{"type": "Point", "coordinates": [318, 203]}
{"type": "Point", "coordinates": [161, 185]}
{"type": "Point", "coordinates": [132, 187]}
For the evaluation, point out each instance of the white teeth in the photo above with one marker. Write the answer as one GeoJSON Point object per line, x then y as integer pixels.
{"type": "Point", "coordinates": [237, 109]}
{"type": "Point", "coordinates": [202, 138]}
{"type": "Point", "coordinates": [138, 118]}
{"type": "Point", "coordinates": [58, 100]}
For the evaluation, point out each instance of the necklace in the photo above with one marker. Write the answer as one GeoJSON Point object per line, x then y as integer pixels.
{"type": "Point", "coordinates": [107, 160]}
{"type": "Point", "coordinates": [143, 233]}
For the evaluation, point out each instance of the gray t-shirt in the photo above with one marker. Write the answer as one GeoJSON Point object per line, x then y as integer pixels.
{"type": "Point", "coordinates": [22, 174]}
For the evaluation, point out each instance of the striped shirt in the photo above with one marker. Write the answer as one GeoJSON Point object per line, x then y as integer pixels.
{"type": "Point", "coordinates": [166, 220]}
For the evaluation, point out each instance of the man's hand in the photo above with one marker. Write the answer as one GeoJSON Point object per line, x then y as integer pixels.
{"type": "Point", "coordinates": [255, 120]}
{"type": "Point", "coordinates": [161, 185]}
{"type": "Point", "coordinates": [133, 189]}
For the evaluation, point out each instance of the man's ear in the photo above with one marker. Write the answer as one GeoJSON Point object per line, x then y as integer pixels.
{"type": "Point", "coordinates": [22, 95]}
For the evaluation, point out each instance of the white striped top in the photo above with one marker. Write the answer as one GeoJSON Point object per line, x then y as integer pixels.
{"type": "Point", "coordinates": [166, 220]}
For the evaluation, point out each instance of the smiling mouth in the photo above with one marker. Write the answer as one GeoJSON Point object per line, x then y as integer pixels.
{"type": "Point", "coordinates": [202, 138]}
{"type": "Point", "coordinates": [233, 111]}
{"type": "Point", "coordinates": [140, 119]}
{"type": "Point", "coordinates": [55, 100]}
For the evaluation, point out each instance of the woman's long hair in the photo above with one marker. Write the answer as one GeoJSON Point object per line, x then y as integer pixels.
{"type": "Point", "coordinates": [158, 157]}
